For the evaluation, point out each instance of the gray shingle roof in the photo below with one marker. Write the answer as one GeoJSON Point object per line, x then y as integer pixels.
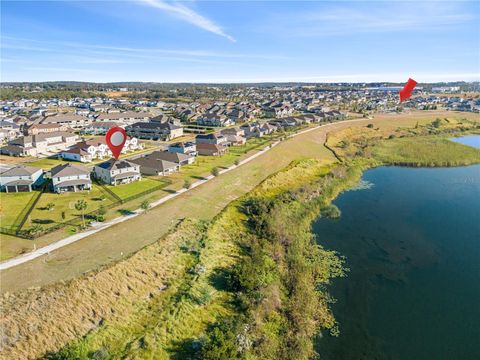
{"type": "Point", "coordinates": [20, 170]}
{"type": "Point", "coordinates": [69, 170]}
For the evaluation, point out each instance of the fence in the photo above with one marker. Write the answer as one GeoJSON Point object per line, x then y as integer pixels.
{"type": "Point", "coordinates": [117, 201]}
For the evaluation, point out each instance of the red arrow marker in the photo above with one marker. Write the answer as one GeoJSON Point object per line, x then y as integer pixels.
{"type": "Point", "coordinates": [116, 138]}
{"type": "Point", "coordinates": [406, 92]}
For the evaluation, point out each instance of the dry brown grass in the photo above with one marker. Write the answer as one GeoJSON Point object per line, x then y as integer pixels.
{"type": "Point", "coordinates": [35, 322]}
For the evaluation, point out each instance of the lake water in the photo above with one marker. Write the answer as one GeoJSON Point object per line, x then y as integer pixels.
{"type": "Point", "coordinates": [471, 140]}
{"type": "Point", "coordinates": [412, 243]}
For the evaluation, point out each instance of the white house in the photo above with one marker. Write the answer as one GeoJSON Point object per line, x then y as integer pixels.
{"type": "Point", "coordinates": [40, 144]}
{"type": "Point", "coordinates": [116, 172]}
{"type": "Point", "coordinates": [88, 150]}
{"type": "Point", "coordinates": [21, 179]}
{"type": "Point", "coordinates": [70, 177]}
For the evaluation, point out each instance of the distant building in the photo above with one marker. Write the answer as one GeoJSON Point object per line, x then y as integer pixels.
{"type": "Point", "coordinates": [188, 148]}
{"type": "Point", "coordinates": [211, 149]}
{"type": "Point", "coordinates": [211, 139]}
{"type": "Point", "coordinates": [150, 165]}
{"type": "Point", "coordinates": [128, 117]}
{"type": "Point", "coordinates": [36, 129]}
{"type": "Point", "coordinates": [154, 130]}
{"type": "Point", "coordinates": [67, 119]}
{"type": "Point", "coordinates": [41, 144]}
{"type": "Point", "coordinates": [98, 128]}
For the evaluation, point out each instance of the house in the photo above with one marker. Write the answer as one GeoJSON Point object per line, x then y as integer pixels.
{"type": "Point", "coordinates": [127, 117]}
{"type": "Point", "coordinates": [233, 131]}
{"type": "Point", "coordinates": [8, 134]}
{"type": "Point", "coordinates": [66, 119]}
{"type": "Point", "coordinates": [217, 139]}
{"type": "Point", "coordinates": [41, 144]}
{"type": "Point", "coordinates": [211, 149]}
{"type": "Point", "coordinates": [188, 148]}
{"type": "Point", "coordinates": [154, 130]}
{"type": "Point", "coordinates": [236, 140]}
{"type": "Point", "coordinates": [21, 178]}
{"type": "Point", "coordinates": [98, 128]}
{"type": "Point", "coordinates": [178, 158]}
{"type": "Point", "coordinates": [36, 129]}
{"type": "Point", "coordinates": [116, 172]}
{"type": "Point", "coordinates": [253, 130]}
{"type": "Point", "coordinates": [77, 153]}
{"type": "Point", "coordinates": [88, 150]}
{"type": "Point", "coordinates": [70, 177]}
{"type": "Point", "coordinates": [155, 166]}
{"type": "Point", "coordinates": [214, 120]}
{"type": "Point", "coordinates": [269, 128]}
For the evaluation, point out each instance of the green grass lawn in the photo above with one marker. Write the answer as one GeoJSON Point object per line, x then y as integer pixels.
{"type": "Point", "coordinates": [11, 205]}
{"type": "Point", "coordinates": [66, 203]}
{"type": "Point", "coordinates": [48, 163]}
{"type": "Point", "coordinates": [137, 187]}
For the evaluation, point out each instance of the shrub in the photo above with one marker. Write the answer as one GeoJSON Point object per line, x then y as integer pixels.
{"type": "Point", "coordinates": [331, 212]}
{"type": "Point", "coordinates": [215, 171]}
{"type": "Point", "coordinates": [145, 205]}
{"type": "Point", "coordinates": [187, 184]}
{"type": "Point", "coordinates": [220, 342]}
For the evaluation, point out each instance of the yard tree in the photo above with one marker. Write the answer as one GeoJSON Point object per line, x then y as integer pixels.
{"type": "Point", "coordinates": [102, 210]}
{"type": "Point", "coordinates": [237, 162]}
{"type": "Point", "coordinates": [215, 171]}
{"type": "Point", "coordinates": [145, 205]}
{"type": "Point", "coordinates": [81, 205]}
{"type": "Point", "coordinates": [187, 183]}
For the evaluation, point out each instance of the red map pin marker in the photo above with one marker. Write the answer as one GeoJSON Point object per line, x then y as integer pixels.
{"type": "Point", "coordinates": [406, 92]}
{"type": "Point", "coordinates": [116, 138]}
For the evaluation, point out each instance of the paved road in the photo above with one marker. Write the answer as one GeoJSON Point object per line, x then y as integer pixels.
{"type": "Point", "coordinates": [97, 227]}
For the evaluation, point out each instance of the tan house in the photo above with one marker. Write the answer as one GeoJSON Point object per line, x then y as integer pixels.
{"type": "Point", "coordinates": [211, 149]}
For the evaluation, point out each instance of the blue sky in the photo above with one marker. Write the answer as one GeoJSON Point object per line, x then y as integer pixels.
{"type": "Point", "coordinates": [239, 41]}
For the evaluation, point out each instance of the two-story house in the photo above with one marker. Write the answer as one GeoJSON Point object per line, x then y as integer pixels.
{"type": "Point", "coordinates": [217, 139]}
{"type": "Point", "coordinates": [116, 172]}
{"type": "Point", "coordinates": [21, 178]}
{"type": "Point", "coordinates": [188, 148]}
{"type": "Point", "coordinates": [70, 177]}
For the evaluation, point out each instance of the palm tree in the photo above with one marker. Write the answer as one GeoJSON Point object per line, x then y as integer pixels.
{"type": "Point", "coordinates": [81, 205]}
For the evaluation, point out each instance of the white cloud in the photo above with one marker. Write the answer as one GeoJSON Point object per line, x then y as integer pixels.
{"type": "Point", "coordinates": [189, 15]}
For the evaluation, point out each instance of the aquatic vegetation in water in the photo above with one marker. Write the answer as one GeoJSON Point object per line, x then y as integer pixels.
{"type": "Point", "coordinates": [362, 185]}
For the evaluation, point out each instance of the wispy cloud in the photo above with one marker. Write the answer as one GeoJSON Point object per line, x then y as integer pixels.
{"type": "Point", "coordinates": [391, 17]}
{"type": "Point", "coordinates": [189, 15]}
{"type": "Point", "coordinates": [102, 53]}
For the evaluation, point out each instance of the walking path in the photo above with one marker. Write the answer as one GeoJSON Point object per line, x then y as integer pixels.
{"type": "Point", "coordinates": [97, 227]}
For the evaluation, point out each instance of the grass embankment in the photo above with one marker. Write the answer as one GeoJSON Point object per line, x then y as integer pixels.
{"type": "Point", "coordinates": [423, 145]}
{"type": "Point", "coordinates": [211, 272]}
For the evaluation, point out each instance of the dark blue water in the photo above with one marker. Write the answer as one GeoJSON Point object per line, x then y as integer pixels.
{"type": "Point", "coordinates": [412, 243]}
{"type": "Point", "coordinates": [471, 140]}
